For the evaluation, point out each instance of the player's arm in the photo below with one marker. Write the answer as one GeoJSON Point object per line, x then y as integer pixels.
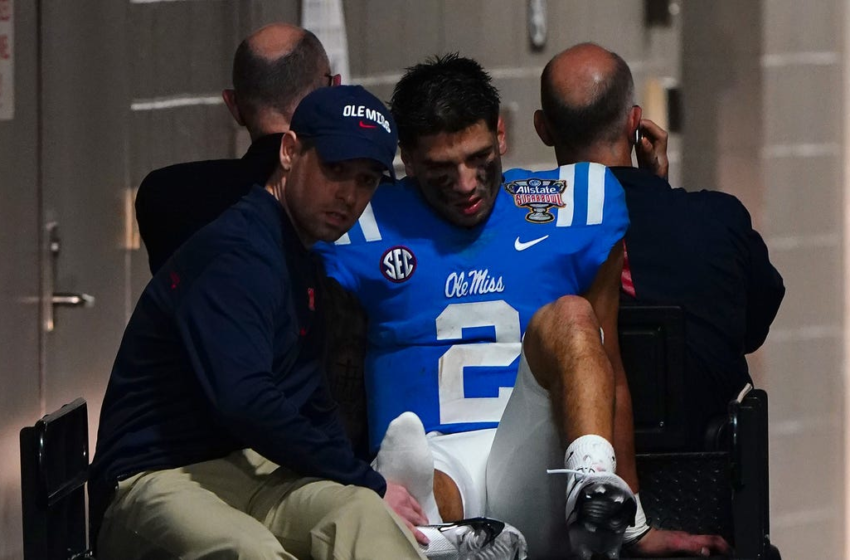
{"type": "Point", "coordinates": [604, 297]}
{"type": "Point", "coordinates": [345, 354]}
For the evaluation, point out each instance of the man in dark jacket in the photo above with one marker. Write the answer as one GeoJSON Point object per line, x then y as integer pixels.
{"type": "Point", "coordinates": [697, 250]}
{"type": "Point", "coordinates": [273, 69]}
{"type": "Point", "coordinates": [217, 435]}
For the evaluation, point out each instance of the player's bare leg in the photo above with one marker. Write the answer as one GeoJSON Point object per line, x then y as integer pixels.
{"type": "Point", "coordinates": [565, 354]}
{"type": "Point", "coordinates": [564, 351]}
{"type": "Point", "coordinates": [448, 497]}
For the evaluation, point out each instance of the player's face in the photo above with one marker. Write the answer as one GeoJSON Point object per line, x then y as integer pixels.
{"type": "Point", "coordinates": [325, 199]}
{"type": "Point", "coordinates": [459, 173]}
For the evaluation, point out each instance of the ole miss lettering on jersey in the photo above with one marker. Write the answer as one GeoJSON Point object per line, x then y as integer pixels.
{"type": "Point", "coordinates": [448, 305]}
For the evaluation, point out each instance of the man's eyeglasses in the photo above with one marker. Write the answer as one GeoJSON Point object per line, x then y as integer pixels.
{"type": "Point", "coordinates": [333, 79]}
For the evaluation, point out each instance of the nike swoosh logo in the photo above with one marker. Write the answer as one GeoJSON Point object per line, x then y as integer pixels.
{"type": "Point", "coordinates": [364, 125]}
{"type": "Point", "coordinates": [520, 246]}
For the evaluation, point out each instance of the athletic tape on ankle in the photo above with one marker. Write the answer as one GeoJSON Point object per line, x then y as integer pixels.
{"type": "Point", "coordinates": [640, 528]}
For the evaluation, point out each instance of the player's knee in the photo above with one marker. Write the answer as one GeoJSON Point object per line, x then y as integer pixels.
{"type": "Point", "coordinates": [566, 315]}
{"type": "Point", "coordinates": [562, 330]}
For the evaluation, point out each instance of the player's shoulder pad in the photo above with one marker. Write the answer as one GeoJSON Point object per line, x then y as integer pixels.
{"type": "Point", "coordinates": [587, 194]}
{"type": "Point", "coordinates": [518, 174]}
{"type": "Point", "coordinates": [579, 177]}
{"type": "Point", "coordinates": [577, 173]}
{"type": "Point", "coordinates": [391, 204]}
{"type": "Point", "coordinates": [392, 193]}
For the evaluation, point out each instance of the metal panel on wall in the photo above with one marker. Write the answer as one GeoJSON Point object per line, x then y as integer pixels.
{"type": "Point", "coordinates": [84, 165]}
{"type": "Point", "coordinates": [19, 279]}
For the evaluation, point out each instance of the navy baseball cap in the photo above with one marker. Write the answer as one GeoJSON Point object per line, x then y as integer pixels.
{"type": "Point", "coordinates": [347, 122]}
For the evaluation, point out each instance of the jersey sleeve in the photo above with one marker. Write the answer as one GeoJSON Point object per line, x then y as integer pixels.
{"type": "Point", "coordinates": [335, 266]}
{"type": "Point", "coordinates": [600, 218]}
{"type": "Point", "coordinates": [591, 215]}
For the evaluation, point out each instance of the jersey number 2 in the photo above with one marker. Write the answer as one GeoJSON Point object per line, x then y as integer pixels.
{"type": "Point", "coordinates": [455, 408]}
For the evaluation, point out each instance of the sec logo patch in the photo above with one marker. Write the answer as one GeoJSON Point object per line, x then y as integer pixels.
{"type": "Point", "coordinates": [398, 264]}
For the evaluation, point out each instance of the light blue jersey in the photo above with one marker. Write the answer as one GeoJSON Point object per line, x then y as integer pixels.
{"type": "Point", "coordinates": [448, 305]}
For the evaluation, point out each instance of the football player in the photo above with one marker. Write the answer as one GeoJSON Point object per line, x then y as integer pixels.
{"type": "Point", "coordinates": [454, 266]}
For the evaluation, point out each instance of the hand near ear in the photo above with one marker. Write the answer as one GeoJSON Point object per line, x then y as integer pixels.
{"type": "Point", "coordinates": [651, 150]}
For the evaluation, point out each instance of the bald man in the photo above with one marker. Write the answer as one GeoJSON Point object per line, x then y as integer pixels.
{"type": "Point", "coordinates": [696, 250]}
{"type": "Point", "coordinates": [273, 69]}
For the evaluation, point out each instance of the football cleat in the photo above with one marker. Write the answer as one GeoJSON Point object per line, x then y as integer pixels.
{"type": "Point", "coordinates": [600, 506]}
{"type": "Point", "coordinates": [478, 538]}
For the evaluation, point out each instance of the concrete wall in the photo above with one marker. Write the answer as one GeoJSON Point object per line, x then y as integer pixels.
{"type": "Point", "coordinates": [764, 121]}
{"type": "Point", "coordinates": [803, 214]}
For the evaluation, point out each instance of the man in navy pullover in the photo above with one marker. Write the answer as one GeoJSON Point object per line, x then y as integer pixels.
{"type": "Point", "coordinates": [696, 250]}
{"type": "Point", "coordinates": [217, 434]}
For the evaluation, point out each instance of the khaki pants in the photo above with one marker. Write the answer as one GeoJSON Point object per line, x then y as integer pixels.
{"type": "Point", "coordinates": [245, 507]}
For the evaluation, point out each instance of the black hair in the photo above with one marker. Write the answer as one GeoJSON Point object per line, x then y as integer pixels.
{"type": "Point", "coordinates": [443, 94]}
{"type": "Point", "coordinates": [600, 120]}
{"type": "Point", "coordinates": [281, 82]}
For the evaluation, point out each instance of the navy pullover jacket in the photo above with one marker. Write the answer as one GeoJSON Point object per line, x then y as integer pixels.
{"type": "Point", "coordinates": [176, 201]}
{"type": "Point", "coordinates": [223, 352]}
{"type": "Point", "coordinates": [699, 250]}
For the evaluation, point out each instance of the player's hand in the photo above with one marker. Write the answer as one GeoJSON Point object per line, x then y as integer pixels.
{"type": "Point", "coordinates": [651, 151]}
{"type": "Point", "coordinates": [406, 506]}
{"type": "Point", "coordinates": [659, 542]}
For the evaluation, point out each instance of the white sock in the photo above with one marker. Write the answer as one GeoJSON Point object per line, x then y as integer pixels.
{"type": "Point", "coordinates": [639, 528]}
{"type": "Point", "coordinates": [591, 452]}
{"type": "Point", "coordinates": [406, 459]}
